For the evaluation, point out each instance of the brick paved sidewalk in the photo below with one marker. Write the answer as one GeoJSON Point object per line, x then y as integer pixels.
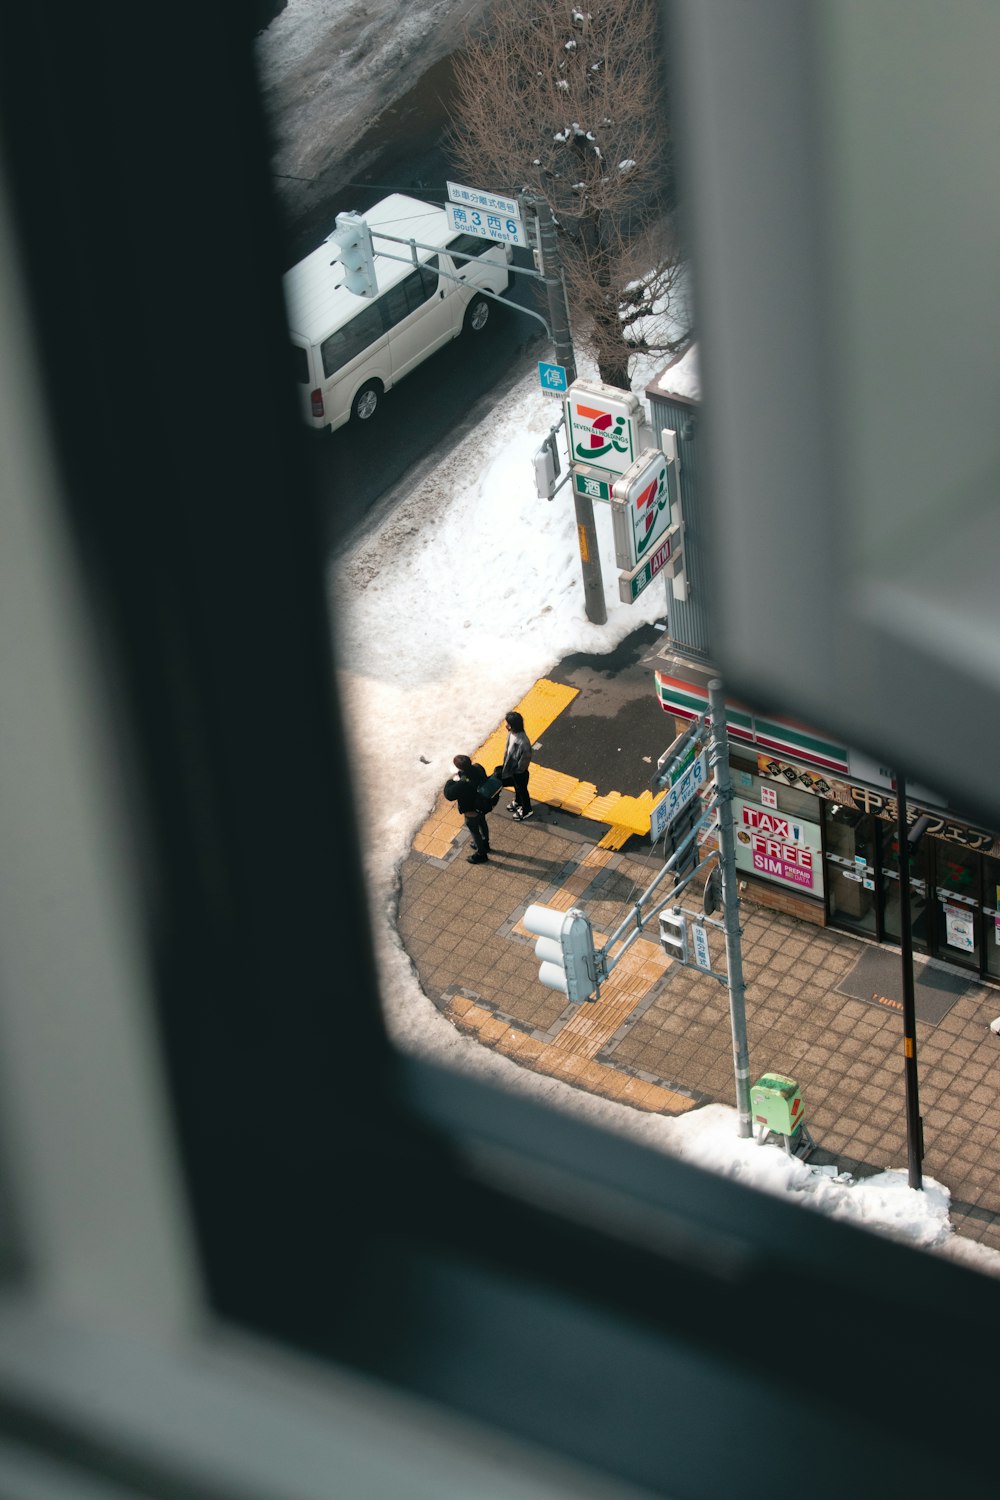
{"type": "Point", "coordinates": [659, 1037]}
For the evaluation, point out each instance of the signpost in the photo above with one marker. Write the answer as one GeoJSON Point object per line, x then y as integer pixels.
{"type": "Point", "coordinates": [602, 426]}
{"type": "Point", "coordinates": [494, 203]}
{"type": "Point", "coordinates": [506, 229]}
{"type": "Point", "coordinates": [589, 482]}
{"type": "Point", "coordinates": [677, 796]}
{"type": "Point", "coordinates": [640, 508]}
{"type": "Point", "coordinates": [552, 379]}
{"type": "Point", "coordinates": [700, 944]}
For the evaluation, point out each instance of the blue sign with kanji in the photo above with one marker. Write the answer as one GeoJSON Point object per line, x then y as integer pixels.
{"type": "Point", "coordinates": [552, 378]}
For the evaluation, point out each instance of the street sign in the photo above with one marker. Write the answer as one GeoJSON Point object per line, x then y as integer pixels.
{"type": "Point", "coordinates": [631, 585]}
{"type": "Point", "coordinates": [504, 228]}
{"type": "Point", "coordinates": [589, 482]}
{"type": "Point", "coordinates": [640, 508]}
{"type": "Point", "coordinates": [677, 797]}
{"type": "Point", "coordinates": [552, 379]}
{"type": "Point", "coordinates": [682, 764]}
{"type": "Point", "coordinates": [494, 203]}
{"type": "Point", "coordinates": [700, 945]}
{"type": "Point", "coordinates": [602, 426]}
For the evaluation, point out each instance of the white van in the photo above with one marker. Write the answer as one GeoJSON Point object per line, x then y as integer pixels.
{"type": "Point", "coordinates": [349, 350]}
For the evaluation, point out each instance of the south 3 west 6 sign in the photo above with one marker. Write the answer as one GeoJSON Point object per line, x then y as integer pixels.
{"type": "Point", "coordinates": [487, 224]}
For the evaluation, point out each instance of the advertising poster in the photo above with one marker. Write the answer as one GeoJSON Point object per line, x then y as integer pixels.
{"type": "Point", "coordinates": [779, 847]}
{"type": "Point", "coordinates": [958, 928]}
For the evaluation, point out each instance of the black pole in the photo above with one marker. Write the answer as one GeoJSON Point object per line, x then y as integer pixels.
{"type": "Point", "coordinates": [914, 1134]}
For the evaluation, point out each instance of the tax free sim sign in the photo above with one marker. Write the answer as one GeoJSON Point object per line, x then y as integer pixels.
{"type": "Point", "coordinates": [785, 849]}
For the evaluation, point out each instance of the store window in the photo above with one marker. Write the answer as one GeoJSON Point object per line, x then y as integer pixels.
{"type": "Point", "coordinates": [991, 916]}
{"type": "Point", "coordinates": [958, 903]}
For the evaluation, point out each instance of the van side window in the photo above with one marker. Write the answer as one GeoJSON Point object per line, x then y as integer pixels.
{"type": "Point", "coordinates": [470, 244]}
{"type": "Point", "coordinates": [399, 301]}
{"type": "Point", "coordinates": [364, 329]}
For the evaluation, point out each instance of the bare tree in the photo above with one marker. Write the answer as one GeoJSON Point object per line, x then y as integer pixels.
{"type": "Point", "coordinates": [568, 102]}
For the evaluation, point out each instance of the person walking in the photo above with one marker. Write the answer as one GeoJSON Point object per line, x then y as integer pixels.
{"type": "Point", "coordinates": [514, 771]}
{"type": "Point", "coordinates": [462, 789]}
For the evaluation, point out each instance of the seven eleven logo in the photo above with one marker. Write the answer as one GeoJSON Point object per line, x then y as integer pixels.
{"type": "Point", "coordinates": [649, 503]}
{"type": "Point", "coordinates": [604, 433]}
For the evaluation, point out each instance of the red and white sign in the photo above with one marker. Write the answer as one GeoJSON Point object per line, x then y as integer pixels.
{"type": "Point", "coordinates": [778, 847]}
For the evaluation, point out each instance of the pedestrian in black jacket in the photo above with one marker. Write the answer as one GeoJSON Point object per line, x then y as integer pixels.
{"type": "Point", "coordinates": [461, 788]}
{"type": "Point", "coordinates": [514, 771]}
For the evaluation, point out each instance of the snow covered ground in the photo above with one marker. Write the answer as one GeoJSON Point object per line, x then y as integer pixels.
{"type": "Point", "coordinates": [468, 592]}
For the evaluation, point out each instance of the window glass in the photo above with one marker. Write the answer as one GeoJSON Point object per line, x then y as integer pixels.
{"type": "Point", "coordinates": [300, 364]}
{"type": "Point", "coordinates": [470, 244]}
{"type": "Point", "coordinates": [351, 340]}
{"type": "Point", "coordinates": [401, 300]}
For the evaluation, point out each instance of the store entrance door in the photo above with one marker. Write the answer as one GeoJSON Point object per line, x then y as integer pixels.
{"type": "Point", "coordinates": [889, 893]}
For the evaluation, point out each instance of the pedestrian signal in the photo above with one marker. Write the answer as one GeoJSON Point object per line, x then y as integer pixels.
{"type": "Point", "coordinates": [673, 933]}
{"type": "Point", "coordinates": [354, 246]}
{"type": "Point", "coordinates": [566, 948]}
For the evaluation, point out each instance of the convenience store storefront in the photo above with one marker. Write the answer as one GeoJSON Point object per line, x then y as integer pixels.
{"type": "Point", "coordinates": [817, 823]}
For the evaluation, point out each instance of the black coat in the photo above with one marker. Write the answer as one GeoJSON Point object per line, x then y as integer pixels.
{"type": "Point", "coordinates": [462, 789]}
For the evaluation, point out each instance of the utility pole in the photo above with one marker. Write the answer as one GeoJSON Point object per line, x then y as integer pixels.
{"type": "Point", "coordinates": [555, 290]}
{"type": "Point", "coordinates": [731, 906]}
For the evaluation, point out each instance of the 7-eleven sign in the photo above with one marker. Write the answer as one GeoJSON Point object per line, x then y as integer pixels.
{"type": "Point", "coordinates": [602, 426]}
{"type": "Point", "coordinates": [640, 507]}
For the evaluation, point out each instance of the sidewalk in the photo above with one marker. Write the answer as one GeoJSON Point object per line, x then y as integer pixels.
{"type": "Point", "coordinates": [659, 1037]}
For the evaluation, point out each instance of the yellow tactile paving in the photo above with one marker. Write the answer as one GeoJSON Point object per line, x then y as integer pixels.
{"type": "Point", "coordinates": [543, 703]}
{"type": "Point", "coordinates": [567, 1063]}
{"type": "Point", "coordinates": [539, 706]}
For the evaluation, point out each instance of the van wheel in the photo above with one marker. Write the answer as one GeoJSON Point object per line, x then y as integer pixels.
{"type": "Point", "coordinates": [477, 315]}
{"type": "Point", "coordinates": [367, 402]}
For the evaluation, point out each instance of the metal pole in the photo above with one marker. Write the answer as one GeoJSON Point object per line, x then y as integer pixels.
{"type": "Point", "coordinates": [914, 1124]}
{"type": "Point", "coordinates": [730, 906]}
{"type": "Point", "coordinates": [586, 530]}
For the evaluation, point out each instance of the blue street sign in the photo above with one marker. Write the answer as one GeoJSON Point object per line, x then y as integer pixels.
{"type": "Point", "coordinates": [552, 378]}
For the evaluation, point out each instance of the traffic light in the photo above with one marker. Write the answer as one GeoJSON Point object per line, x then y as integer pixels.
{"type": "Point", "coordinates": [354, 243]}
{"type": "Point", "coordinates": [674, 933]}
{"type": "Point", "coordinates": [566, 947]}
